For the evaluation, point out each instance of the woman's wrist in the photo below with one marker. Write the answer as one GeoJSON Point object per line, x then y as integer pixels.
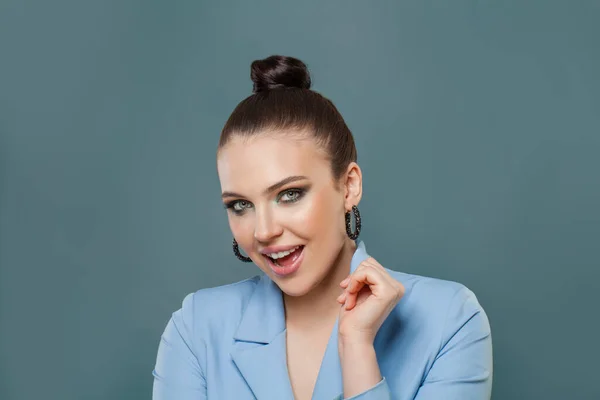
{"type": "Point", "coordinates": [360, 370]}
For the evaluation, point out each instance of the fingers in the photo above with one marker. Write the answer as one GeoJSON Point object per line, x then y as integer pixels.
{"type": "Point", "coordinates": [367, 262]}
{"type": "Point", "coordinates": [371, 274]}
{"type": "Point", "coordinates": [353, 284]}
{"type": "Point", "coordinates": [345, 282]}
{"type": "Point", "coordinates": [364, 276]}
{"type": "Point", "coordinates": [342, 298]}
{"type": "Point", "coordinates": [373, 263]}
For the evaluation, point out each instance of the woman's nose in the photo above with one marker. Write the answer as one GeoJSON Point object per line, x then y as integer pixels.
{"type": "Point", "coordinates": [266, 227]}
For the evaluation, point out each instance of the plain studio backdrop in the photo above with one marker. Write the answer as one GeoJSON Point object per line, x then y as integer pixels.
{"type": "Point", "coordinates": [478, 131]}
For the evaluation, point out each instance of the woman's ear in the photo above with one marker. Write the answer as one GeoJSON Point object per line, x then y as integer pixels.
{"type": "Point", "coordinates": [352, 186]}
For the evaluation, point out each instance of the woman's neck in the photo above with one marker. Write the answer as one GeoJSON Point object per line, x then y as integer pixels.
{"type": "Point", "coordinates": [319, 306]}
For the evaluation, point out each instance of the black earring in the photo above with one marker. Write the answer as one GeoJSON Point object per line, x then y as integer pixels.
{"type": "Point", "coordinates": [357, 223]}
{"type": "Point", "coordinates": [236, 251]}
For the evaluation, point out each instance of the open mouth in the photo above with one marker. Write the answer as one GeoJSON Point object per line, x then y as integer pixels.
{"type": "Point", "coordinates": [285, 262]}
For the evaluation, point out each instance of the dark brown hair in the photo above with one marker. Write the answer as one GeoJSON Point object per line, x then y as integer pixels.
{"type": "Point", "coordinates": [282, 100]}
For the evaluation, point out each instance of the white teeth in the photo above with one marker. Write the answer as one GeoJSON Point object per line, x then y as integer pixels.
{"type": "Point", "coordinates": [282, 254]}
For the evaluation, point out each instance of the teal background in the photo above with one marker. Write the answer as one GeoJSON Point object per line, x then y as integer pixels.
{"type": "Point", "coordinates": [478, 130]}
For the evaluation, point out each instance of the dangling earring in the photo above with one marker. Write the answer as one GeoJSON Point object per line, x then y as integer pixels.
{"type": "Point", "coordinates": [357, 223]}
{"type": "Point", "coordinates": [236, 251]}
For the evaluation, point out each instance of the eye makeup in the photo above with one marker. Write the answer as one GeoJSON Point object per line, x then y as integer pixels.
{"type": "Point", "coordinates": [286, 196]}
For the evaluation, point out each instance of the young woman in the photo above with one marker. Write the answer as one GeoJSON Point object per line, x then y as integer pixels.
{"type": "Point", "coordinates": [324, 320]}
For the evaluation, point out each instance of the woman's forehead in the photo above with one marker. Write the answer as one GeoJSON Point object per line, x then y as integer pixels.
{"type": "Point", "coordinates": [269, 158]}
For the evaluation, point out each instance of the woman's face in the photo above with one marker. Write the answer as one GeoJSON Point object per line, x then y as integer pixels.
{"type": "Point", "coordinates": [284, 208]}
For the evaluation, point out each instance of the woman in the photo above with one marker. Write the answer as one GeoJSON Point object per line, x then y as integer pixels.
{"type": "Point", "coordinates": [324, 320]}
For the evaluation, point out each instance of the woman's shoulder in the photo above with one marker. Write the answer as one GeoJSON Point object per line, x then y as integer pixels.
{"type": "Point", "coordinates": [216, 306]}
{"type": "Point", "coordinates": [438, 304]}
{"type": "Point", "coordinates": [425, 288]}
{"type": "Point", "coordinates": [220, 299]}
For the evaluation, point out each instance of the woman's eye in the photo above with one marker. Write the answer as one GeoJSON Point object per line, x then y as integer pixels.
{"type": "Point", "coordinates": [240, 205]}
{"type": "Point", "coordinates": [290, 196]}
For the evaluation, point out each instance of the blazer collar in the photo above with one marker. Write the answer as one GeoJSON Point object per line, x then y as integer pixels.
{"type": "Point", "coordinates": [360, 255]}
{"type": "Point", "coordinates": [261, 341]}
{"type": "Point", "coordinates": [264, 316]}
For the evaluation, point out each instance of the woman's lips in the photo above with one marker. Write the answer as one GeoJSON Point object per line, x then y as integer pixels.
{"type": "Point", "coordinates": [291, 267]}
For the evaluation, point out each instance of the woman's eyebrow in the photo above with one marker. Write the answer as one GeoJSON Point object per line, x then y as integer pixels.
{"type": "Point", "coordinates": [271, 188]}
{"type": "Point", "coordinates": [284, 182]}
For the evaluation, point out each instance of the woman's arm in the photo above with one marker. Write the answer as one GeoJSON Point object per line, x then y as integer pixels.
{"type": "Point", "coordinates": [178, 373]}
{"type": "Point", "coordinates": [370, 295]}
{"type": "Point", "coordinates": [463, 367]}
{"type": "Point", "coordinates": [360, 372]}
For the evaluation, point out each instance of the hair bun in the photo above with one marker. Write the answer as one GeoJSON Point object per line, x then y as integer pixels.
{"type": "Point", "coordinates": [279, 72]}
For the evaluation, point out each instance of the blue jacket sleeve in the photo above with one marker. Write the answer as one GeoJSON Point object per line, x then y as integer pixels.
{"type": "Point", "coordinates": [178, 372]}
{"type": "Point", "coordinates": [462, 369]}
{"type": "Point", "coordinates": [381, 391]}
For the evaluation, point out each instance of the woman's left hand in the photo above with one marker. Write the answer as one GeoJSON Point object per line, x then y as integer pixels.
{"type": "Point", "coordinates": [370, 295]}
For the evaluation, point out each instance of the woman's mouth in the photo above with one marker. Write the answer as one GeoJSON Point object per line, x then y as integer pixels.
{"type": "Point", "coordinates": [285, 262]}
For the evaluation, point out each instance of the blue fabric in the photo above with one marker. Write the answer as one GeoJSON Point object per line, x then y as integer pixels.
{"type": "Point", "coordinates": [228, 342]}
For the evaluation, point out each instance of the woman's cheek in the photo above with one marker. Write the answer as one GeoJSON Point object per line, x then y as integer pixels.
{"type": "Point", "coordinates": [242, 229]}
{"type": "Point", "coordinates": [313, 215]}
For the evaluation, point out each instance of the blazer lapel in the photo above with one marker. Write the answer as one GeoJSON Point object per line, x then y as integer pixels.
{"type": "Point", "coordinates": [329, 381]}
{"type": "Point", "coordinates": [260, 344]}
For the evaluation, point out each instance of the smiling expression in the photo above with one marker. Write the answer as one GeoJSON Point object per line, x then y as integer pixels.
{"type": "Point", "coordinates": [284, 207]}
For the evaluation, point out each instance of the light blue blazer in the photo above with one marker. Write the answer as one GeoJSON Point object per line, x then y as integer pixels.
{"type": "Point", "coordinates": [229, 342]}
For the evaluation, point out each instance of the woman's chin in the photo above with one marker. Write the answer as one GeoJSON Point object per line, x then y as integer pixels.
{"type": "Point", "coordinates": [294, 287]}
